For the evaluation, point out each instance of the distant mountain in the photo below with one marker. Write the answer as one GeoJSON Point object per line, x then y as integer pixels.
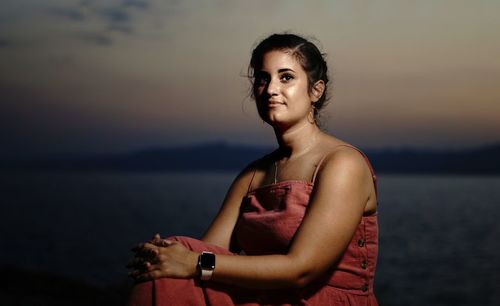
{"type": "Point", "coordinates": [218, 156]}
{"type": "Point", "coordinates": [481, 160]}
{"type": "Point", "coordinates": [221, 156]}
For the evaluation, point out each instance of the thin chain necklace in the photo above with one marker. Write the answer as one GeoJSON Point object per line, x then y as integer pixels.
{"type": "Point", "coordinates": [307, 149]}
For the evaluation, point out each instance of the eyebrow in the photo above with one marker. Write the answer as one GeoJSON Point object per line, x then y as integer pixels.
{"type": "Point", "coordinates": [279, 70]}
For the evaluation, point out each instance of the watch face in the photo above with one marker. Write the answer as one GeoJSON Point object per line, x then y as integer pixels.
{"type": "Point", "coordinates": [207, 261]}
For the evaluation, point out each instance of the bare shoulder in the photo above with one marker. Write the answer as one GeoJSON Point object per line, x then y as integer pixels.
{"type": "Point", "coordinates": [344, 168]}
{"type": "Point", "coordinates": [343, 158]}
{"type": "Point", "coordinates": [343, 161]}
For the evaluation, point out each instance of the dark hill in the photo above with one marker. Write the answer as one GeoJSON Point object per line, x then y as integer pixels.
{"type": "Point", "coordinates": [225, 157]}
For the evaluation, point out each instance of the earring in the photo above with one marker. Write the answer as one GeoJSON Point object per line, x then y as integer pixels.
{"type": "Point", "coordinates": [311, 114]}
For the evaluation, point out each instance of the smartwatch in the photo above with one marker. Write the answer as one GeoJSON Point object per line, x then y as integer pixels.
{"type": "Point", "coordinates": [206, 263]}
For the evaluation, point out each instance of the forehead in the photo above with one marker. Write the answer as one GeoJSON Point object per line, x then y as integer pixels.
{"type": "Point", "coordinates": [280, 59]}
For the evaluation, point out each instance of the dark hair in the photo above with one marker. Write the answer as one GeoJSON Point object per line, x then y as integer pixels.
{"type": "Point", "coordinates": [306, 53]}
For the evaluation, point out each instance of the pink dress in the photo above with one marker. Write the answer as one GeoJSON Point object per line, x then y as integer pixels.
{"type": "Point", "coordinates": [270, 216]}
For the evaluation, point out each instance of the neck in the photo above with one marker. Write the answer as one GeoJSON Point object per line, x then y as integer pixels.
{"type": "Point", "coordinates": [297, 140]}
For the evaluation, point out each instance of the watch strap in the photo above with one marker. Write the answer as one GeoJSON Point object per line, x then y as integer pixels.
{"type": "Point", "coordinates": [206, 274]}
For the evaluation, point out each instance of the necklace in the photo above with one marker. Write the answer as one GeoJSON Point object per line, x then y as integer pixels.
{"type": "Point", "coordinates": [306, 150]}
{"type": "Point", "coordinates": [312, 142]}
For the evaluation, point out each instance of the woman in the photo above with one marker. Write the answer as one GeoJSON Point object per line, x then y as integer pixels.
{"type": "Point", "coordinates": [297, 226]}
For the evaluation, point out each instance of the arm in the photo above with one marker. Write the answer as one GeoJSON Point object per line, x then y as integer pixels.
{"type": "Point", "coordinates": [340, 195]}
{"type": "Point", "coordinates": [337, 204]}
{"type": "Point", "coordinates": [220, 231]}
{"type": "Point", "coordinates": [162, 258]}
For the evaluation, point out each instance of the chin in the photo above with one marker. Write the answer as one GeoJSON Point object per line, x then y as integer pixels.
{"type": "Point", "coordinates": [274, 120]}
{"type": "Point", "coordinates": [277, 123]}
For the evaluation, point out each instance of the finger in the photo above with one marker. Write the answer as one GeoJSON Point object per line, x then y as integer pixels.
{"type": "Point", "coordinates": [142, 246]}
{"type": "Point", "coordinates": [135, 273]}
{"type": "Point", "coordinates": [153, 267]}
{"type": "Point", "coordinates": [148, 252]}
{"type": "Point", "coordinates": [165, 242]}
{"type": "Point", "coordinates": [149, 245]}
{"type": "Point", "coordinates": [144, 267]}
{"type": "Point", "coordinates": [152, 252]}
{"type": "Point", "coordinates": [138, 263]}
{"type": "Point", "coordinates": [148, 276]}
{"type": "Point", "coordinates": [155, 238]}
{"type": "Point", "coordinates": [137, 247]}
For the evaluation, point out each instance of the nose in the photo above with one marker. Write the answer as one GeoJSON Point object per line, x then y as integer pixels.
{"type": "Point", "coordinates": [273, 87]}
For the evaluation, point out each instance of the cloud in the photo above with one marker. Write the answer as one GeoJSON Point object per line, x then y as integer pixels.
{"type": "Point", "coordinates": [139, 4]}
{"type": "Point", "coordinates": [117, 19]}
{"type": "Point", "coordinates": [74, 14]}
{"type": "Point", "coordinates": [107, 16]}
{"type": "Point", "coordinates": [102, 23]}
{"type": "Point", "coordinates": [116, 16]}
{"type": "Point", "coordinates": [95, 38]}
{"type": "Point", "coordinates": [102, 18]}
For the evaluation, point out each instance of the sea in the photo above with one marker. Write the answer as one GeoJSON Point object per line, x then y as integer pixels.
{"type": "Point", "coordinates": [439, 234]}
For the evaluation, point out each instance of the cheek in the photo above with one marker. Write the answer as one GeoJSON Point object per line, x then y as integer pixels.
{"type": "Point", "coordinates": [299, 95]}
{"type": "Point", "coordinates": [258, 91]}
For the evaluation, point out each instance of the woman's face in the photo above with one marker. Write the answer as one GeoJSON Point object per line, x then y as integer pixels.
{"type": "Point", "coordinates": [281, 90]}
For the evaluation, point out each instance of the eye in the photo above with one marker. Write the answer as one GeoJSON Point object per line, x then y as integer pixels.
{"type": "Point", "coordinates": [261, 79]}
{"type": "Point", "coordinates": [286, 77]}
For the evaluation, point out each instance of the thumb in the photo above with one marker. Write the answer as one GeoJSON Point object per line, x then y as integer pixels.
{"type": "Point", "coordinates": [165, 242]}
{"type": "Point", "coordinates": [155, 238]}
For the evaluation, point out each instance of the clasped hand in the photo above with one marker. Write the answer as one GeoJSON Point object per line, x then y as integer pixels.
{"type": "Point", "coordinates": [159, 258]}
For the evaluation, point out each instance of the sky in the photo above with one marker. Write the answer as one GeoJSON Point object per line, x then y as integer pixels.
{"type": "Point", "coordinates": [96, 76]}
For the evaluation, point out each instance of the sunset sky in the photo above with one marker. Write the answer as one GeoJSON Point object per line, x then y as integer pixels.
{"type": "Point", "coordinates": [81, 76]}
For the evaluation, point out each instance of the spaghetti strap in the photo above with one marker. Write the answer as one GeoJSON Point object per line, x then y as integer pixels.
{"type": "Point", "coordinates": [374, 177]}
{"type": "Point", "coordinates": [317, 168]}
{"type": "Point", "coordinates": [251, 180]}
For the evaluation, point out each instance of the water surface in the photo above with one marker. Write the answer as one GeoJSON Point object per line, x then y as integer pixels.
{"type": "Point", "coordinates": [438, 234]}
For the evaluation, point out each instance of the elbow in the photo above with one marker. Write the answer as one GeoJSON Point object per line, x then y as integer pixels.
{"type": "Point", "coordinates": [300, 282]}
{"type": "Point", "coordinates": [303, 273]}
{"type": "Point", "coordinates": [302, 279]}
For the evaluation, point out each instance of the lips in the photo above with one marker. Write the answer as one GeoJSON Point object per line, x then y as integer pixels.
{"type": "Point", "coordinates": [272, 103]}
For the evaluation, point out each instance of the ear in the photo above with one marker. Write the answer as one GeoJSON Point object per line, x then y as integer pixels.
{"type": "Point", "coordinates": [317, 90]}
